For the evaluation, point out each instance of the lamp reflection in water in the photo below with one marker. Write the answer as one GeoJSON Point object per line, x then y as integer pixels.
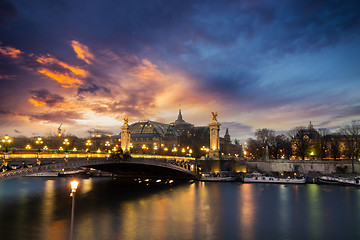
{"type": "Point", "coordinates": [74, 185]}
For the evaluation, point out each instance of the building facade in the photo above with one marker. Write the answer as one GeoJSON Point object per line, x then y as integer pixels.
{"type": "Point", "coordinates": [178, 138]}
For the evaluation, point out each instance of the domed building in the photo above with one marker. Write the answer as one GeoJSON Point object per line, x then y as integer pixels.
{"type": "Point", "coordinates": [178, 138]}
{"type": "Point", "coordinates": [152, 137]}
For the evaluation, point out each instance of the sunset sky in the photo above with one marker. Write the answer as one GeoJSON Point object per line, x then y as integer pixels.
{"type": "Point", "coordinates": [258, 63]}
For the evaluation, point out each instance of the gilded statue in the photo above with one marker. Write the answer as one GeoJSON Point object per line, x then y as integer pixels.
{"type": "Point", "coordinates": [126, 120]}
{"type": "Point", "coordinates": [214, 116]}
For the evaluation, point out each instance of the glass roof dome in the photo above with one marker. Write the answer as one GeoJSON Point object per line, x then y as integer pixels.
{"type": "Point", "coordinates": [150, 127]}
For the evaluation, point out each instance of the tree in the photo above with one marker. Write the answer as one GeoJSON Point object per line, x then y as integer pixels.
{"type": "Point", "coordinates": [280, 146]}
{"type": "Point", "coordinates": [300, 140]}
{"type": "Point", "coordinates": [335, 145]}
{"type": "Point", "coordinates": [322, 142]}
{"type": "Point", "coordinates": [264, 135]}
{"type": "Point", "coordinates": [351, 133]}
{"type": "Point", "coordinates": [264, 138]}
{"type": "Point", "coordinates": [254, 148]}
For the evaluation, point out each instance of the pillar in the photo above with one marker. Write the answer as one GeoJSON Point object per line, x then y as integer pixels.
{"type": "Point", "coordinates": [214, 151]}
{"type": "Point", "coordinates": [125, 136]}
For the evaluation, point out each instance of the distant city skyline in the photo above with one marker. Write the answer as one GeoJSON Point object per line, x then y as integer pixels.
{"type": "Point", "coordinates": [259, 64]}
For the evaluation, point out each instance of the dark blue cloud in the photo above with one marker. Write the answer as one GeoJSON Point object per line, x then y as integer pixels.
{"type": "Point", "coordinates": [93, 89]}
{"type": "Point", "coordinates": [7, 11]}
{"type": "Point", "coordinates": [250, 55]}
{"type": "Point", "coordinates": [44, 96]}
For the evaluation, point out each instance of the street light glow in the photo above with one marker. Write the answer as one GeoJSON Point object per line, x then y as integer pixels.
{"type": "Point", "coordinates": [74, 184]}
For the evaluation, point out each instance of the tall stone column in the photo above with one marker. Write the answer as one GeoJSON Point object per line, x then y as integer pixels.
{"type": "Point", "coordinates": [214, 151]}
{"type": "Point", "coordinates": [125, 136]}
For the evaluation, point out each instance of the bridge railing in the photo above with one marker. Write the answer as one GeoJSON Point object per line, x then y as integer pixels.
{"type": "Point", "coordinates": [87, 155]}
{"type": "Point", "coordinates": [54, 155]}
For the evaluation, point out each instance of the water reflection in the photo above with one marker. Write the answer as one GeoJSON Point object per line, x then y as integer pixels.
{"type": "Point", "coordinates": [40, 209]}
{"type": "Point", "coordinates": [314, 222]}
{"type": "Point", "coordinates": [47, 211]}
{"type": "Point", "coordinates": [284, 210]}
{"type": "Point", "coordinates": [247, 212]}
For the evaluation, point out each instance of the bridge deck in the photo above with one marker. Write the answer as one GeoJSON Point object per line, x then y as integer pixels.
{"type": "Point", "coordinates": [133, 167]}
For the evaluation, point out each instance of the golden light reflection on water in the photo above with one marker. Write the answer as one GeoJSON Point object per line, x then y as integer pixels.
{"type": "Point", "coordinates": [104, 210]}
{"type": "Point", "coordinates": [151, 214]}
{"type": "Point", "coordinates": [90, 220]}
{"type": "Point", "coordinates": [47, 211]}
{"type": "Point", "coordinates": [85, 186]}
{"type": "Point", "coordinates": [247, 211]}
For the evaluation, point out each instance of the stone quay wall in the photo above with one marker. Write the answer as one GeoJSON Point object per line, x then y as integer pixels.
{"type": "Point", "coordinates": [301, 166]}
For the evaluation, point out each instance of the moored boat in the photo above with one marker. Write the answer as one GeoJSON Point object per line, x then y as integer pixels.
{"type": "Point", "coordinates": [328, 180]}
{"type": "Point", "coordinates": [258, 178]}
{"type": "Point", "coordinates": [72, 173]}
{"type": "Point", "coordinates": [216, 177]}
{"type": "Point", "coordinates": [349, 181]}
{"type": "Point", "coordinates": [44, 174]}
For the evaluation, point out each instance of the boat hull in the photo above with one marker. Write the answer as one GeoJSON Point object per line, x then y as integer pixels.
{"type": "Point", "coordinates": [274, 180]}
{"type": "Point", "coordinates": [217, 179]}
{"type": "Point", "coordinates": [44, 174]}
{"type": "Point", "coordinates": [328, 180]}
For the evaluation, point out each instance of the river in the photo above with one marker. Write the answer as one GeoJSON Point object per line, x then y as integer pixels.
{"type": "Point", "coordinates": [38, 208]}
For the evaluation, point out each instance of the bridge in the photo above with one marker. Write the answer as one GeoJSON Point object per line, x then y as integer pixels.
{"type": "Point", "coordinates": [138, 166]}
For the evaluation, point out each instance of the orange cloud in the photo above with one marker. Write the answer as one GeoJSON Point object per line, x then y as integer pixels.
{"type": "Point", "coordinates": [43, 98]}
{"type": "Point", "coordinates": [148, 71]}
{"type": "Point", "coordinates": [37, 103]}
{"type": "Point", "coordinates": [40, 103]}
{"type": "Point", "coordinates": [10, 51]}
{"type": "Point", "coordinates": [65, 79]}
{"type": "Point", "coordinates": [82, 51]}
{"type": "Point", "coordinates": [51, 60]}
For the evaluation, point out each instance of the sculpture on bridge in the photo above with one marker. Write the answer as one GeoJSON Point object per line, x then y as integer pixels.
{"type": "Point", "coordinates": [126, 120]}
{"type": "Point", "coordinates": [214, 116]}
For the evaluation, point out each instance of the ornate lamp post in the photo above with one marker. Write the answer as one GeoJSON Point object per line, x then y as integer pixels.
{"type": "Point", "coordinates": [6, 140]}
{"type": "Point", "coordinates": [155, 148]}
{"type": "Point", "coordinates": [39, 142]}
{"type": "Point", "coordinates": [88, 144]}
{"type": "Point", "coordinates": [66, 143]}
{"type": "Point", "coordinates": [107, 144]}
{"type": "Point", "coordinates": [74, 184]}
{"type": "Point", "coordinates": [174, 150]}
{"type": "Point", "coordinates": [183, 151]}
{"type": "Point", "coordinates": [143, 148]}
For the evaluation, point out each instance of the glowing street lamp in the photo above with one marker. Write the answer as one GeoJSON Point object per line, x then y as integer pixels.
{"type": "Point", "coordinates": [88, 144]}
{"type": "Point", "coordinates": [66, 143]}
{"type": "Point", "coordinates": [28, 147]}
{"type": "Point", "coordinates": [74, 184]}
{"type": "Point", "coordinates": [39, 142]}
{"type": "Point", "coordinates": [6, 140]}
{"type": "Point", "coordinates": [107, 144]}
{"type": "Point", "coordinates": [143, 148]}
{"type": "Point", "coordinates": [174, 150]}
